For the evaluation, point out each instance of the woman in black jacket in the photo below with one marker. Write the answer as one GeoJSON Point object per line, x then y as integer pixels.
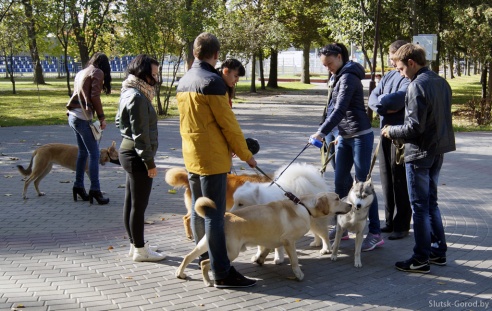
{"type": "Point", "coordinates": [137, 120]}
{"type": "Point", "coordinates": [355, 135]}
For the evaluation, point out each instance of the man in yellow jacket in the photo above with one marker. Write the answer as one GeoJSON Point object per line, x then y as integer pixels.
{"type": "Point", "coordinates": [210, 133]}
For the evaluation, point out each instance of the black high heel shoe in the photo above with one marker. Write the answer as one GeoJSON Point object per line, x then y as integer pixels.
{"type": "Point", "coordinates": [93, 194]}
{"type": "Point", "coordinates": [81, 192]}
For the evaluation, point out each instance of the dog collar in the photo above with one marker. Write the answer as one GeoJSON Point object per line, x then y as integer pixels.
{"type": "Point", "coordinates": [296, 200]}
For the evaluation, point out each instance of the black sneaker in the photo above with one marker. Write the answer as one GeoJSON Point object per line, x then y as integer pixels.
{"type": "Point", "coordinates": [234, 279]}
{"type": "Point", "coordinates": [413, 265]}
{"type": "Point", "coordinates": [436, 260]}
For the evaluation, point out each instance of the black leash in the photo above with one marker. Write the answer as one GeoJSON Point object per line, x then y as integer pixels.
{"type": "Point", "coordinates": [289, 195]}
{"type": "Point", "coordinates": [273, 181]}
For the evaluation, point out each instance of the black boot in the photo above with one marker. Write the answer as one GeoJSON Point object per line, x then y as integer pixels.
{"type": "Point", "coordinates": [96, 194]}
{"type": "Point", "coordinates": [81, 192]}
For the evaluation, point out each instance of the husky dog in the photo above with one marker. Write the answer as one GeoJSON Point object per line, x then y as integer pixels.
{"type": "Point", "coordinates": [44, 157]}
{"type": "Point", "coordinates": [360, 196]}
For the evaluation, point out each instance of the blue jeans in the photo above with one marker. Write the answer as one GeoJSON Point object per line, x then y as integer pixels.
{"type": "Point", "coordinates": [422, 180]}
{"type": "Point", "coordinates": [88, 148]}
{"type": "Point", "coordinates": [214, 188]}
{"type": "Point", "coordinates": [356, 151]}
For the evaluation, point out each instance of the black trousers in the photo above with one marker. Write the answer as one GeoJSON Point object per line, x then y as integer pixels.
{"type": "Point", "coordinates": [137, 193]}
{"type": "Point", "coordinates": [395, 192]}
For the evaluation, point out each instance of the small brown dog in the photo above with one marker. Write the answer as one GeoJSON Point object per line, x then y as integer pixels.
{"type": "Point", "coordinates": [44, 157]}
{"type": "Point", "coordinates": [178, 178]}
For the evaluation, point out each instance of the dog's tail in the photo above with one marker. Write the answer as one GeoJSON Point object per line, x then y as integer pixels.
{"type": "Point", "coordinates": [177, 177]}
{"type": "Point", "coordinates": [28, 171]}
{"type": "Point", "coordinates": [203, 203]}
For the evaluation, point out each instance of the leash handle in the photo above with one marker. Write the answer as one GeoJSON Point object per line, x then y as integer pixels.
{"type": "Point", "coordinates": [373, 161]}
{"type": "Point", "coordinates": [323, 156]}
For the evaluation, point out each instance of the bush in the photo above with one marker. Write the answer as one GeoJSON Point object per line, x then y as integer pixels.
{"type": "Point", "coordinates": [481, 110]}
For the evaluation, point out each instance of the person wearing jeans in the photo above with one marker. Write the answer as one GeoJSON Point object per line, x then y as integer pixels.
{"type": "Point", "coordinates": [210, 134]}
{"type": "Point", "coordinates": [355, 136]}
{"type": "Point", "coordinates": [89, 151]}
{"type": "Point", "coordinates": [84, 104]}
{"type": "Point", "coordinates": [428, 133]}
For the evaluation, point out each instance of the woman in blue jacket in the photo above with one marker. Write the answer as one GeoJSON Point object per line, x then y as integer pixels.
{"type": "Point", "coordinates": [355, 136]}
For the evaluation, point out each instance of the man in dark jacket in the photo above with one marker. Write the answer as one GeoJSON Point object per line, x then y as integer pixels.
{"type": "Point", "coordinates": [428, 134]}
{"type": "Point", "coordinates": [388, 100]}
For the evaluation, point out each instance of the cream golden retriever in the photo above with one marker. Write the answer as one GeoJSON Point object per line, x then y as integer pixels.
{"type": "Point", "coordinates": [299, 179]}
{"type": "Point", "coordinates": [279, 223]}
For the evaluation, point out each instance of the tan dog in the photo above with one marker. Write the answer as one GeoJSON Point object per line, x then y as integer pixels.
{"type": "Point", "coordinates": [360, 196]}
{"type": "Point", "coordinates": [279, 223]}
{"type": "Point", "coordinates": [44, 157]}
{"type": "Point", "coordinates": [177, 177]}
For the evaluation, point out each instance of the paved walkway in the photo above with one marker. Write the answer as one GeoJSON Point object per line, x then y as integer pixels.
{"type": "Point", "coordinates": [56, 254]}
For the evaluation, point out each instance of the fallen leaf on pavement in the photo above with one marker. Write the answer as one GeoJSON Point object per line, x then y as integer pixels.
{"type": "Point", "coordinates": [172, 191]}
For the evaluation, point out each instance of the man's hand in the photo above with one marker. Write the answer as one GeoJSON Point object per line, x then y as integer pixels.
{"type": "Point", "coordinates": [385, 131]}
{"type": "Point", "coordinates": [251, 162]}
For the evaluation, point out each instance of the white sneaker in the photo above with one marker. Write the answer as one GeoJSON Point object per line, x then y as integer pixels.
{"type": "Point", "coordinates": [132, 249]}
{"type": "Point", "coordinates": [145, 254]}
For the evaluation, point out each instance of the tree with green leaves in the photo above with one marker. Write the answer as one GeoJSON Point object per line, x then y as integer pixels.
{"type": "Point", "coordinates": [11, 41]}
{"type": "Point", "coordinates": [152, 27]}
{"type": "Point", "coordinates": [32, 33]}
{"type": "Point", "coordinates": [303, 21]}
{"type": "Point", "coordinates": [90, 19]}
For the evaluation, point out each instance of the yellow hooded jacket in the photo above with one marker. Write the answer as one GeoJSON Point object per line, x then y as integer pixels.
{"type": "Point", "coordinates": [208, 127]}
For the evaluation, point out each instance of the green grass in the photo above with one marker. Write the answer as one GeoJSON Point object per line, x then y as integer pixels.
{"type": "Point", "coordinates": [45, 104]}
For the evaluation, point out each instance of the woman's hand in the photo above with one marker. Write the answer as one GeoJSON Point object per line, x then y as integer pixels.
{"type": "Point", "coordinates": [152, 172]}
{"type": "Point", "coordinates": [103, 124]}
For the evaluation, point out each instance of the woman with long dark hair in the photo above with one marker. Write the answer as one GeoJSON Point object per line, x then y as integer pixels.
{"type": "Point", "coordinates": [137, 120]}
{"type": "Point", "coordinates": [83, 105]}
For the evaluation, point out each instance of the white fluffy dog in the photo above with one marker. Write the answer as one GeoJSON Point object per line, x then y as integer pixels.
{"type": "Point", "coordinates": [299, 179]}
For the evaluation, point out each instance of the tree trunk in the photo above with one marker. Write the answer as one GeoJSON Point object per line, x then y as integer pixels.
{"type": "Point", "coordinates": [262, 75]}
{"type": "Point", "coordinates": [451, 66]}
{"type": "Point", "coordinates": [252, 87]}
{"type": "Point", "coordinates": [33, 46]}
{"type": "Point", "coordinates": [65, 55]}
{"type": "Point", "coordinates": [157, 88]}
{"type": "Point", "coordinates": [382, 58]}
{"type": "Point", "coordinates": [79, 35]}
{"type": "Point", "coordinates": [458, 66]}
{"type": "Point", "coordinates": [273, 75]}
{"type": "Point", "coordinates": [305, 63]}
{"type": "Point", "coordinates": [372, 84]}
{"type": "Point", "coordinates": [489, 88]}
{"type": "Point", "coordinates": [10, 72]}
{"type": "Point", "coordinates": [483, 82]}
{"type": "Point", "coordinates": [189, 55]}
